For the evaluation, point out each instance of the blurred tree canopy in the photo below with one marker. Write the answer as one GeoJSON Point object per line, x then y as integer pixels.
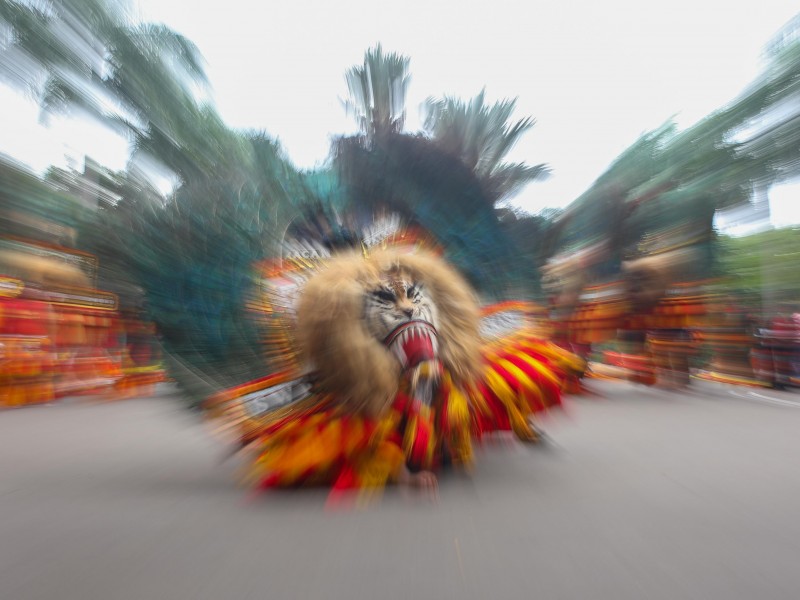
{"type": "Point", "coordinates": [29, 203]}
{"type": "Point", "coordinates": [763, 265]}
{"type": "Point", "coordinates": [669, 181]}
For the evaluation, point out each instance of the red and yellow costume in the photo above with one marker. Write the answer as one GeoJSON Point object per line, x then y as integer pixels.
{"type": "Point", "coordinates": [301, 429]}
{"type": "Point", "coordinates": [319, 441]}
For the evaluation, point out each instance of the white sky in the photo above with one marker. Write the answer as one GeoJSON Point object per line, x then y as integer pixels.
{"type": "Point", "coordinates": [595, 75]}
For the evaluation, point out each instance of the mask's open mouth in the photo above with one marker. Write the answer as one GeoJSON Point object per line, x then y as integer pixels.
{"type": "Point", "coordinates": [413, 342]}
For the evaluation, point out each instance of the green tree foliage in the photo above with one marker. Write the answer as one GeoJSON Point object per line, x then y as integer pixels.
{"type": "Point", "coordinates": [532, 238]}
{"type": "Point", "coordinates": [143, 80]}
{"type": "Point", "coordinates": [763, 265]}
{"type": "Point", "coordinates": [670, 181]}
{"type": "Point", "coordinates": [773, 134]}
{"type": "Point", "coordinates": [28, 204]}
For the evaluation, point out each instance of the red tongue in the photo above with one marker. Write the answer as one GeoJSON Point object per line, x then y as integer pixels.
{"type": "Point", "coordinates": [415, 342]}
{"type": "Point", "coordinates": [417, 349]}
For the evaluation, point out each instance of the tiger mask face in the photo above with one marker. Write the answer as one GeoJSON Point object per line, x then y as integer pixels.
{"type": "Point", "coordinates": [400, 314]}
{"type": "Point", "coordinates": [362, 322]}
{"type": "Point", "coordinates": [398, 299]}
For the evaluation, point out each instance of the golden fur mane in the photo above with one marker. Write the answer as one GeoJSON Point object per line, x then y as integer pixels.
{"type": "Point", "coordinates": [347, 360]}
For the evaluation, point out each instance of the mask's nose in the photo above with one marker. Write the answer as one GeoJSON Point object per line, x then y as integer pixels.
{"type": "Point", "coordinates": [408, 312]}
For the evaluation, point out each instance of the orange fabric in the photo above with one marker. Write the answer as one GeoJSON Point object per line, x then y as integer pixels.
{"type": "Point", "coordinates": [317, 443]}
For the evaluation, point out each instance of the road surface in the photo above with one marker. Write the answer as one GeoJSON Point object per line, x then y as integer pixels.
{"type": "Point", "coordinates": [641, 494]}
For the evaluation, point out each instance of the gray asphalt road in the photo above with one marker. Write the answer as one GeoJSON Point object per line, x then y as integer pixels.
{"type": "Point", "coordinates": [641, 494]}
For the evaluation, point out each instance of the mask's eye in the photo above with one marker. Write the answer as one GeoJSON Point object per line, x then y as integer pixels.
{"type": "Point", "coordinates": [412, 292]}
{"type": "Point", "coordinates": [384, 295]}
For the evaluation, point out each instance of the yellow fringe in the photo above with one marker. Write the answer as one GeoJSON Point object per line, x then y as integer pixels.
{"type": "Point", "coordinates": [458, 421]}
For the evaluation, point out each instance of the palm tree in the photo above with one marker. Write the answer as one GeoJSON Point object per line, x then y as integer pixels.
{"type": "Point", "coordinates": [145, 81]}
{"type": "Point", "coordinates": [482, 136]}
{"type": "Point", "coordinates": [378, 92]}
